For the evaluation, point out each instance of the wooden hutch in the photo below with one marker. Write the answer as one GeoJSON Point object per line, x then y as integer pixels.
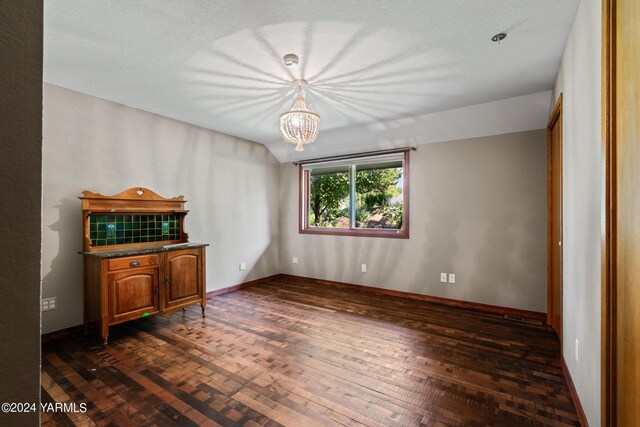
{"type": "Point", "coordinates": [137, 258]}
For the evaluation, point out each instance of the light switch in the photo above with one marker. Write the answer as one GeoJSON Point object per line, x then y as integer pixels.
{"type": "Point", "coordinates": [452, 278]}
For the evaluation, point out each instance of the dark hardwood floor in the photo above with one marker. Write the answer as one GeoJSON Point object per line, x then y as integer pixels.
{"type": "Point", "coordinates": [301, 354]}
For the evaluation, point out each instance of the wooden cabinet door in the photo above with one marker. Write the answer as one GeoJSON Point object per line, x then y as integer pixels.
{"type": "Point", "coordinates": [132, 294]}
{"type": "Point", "coordinates": [183, 279]}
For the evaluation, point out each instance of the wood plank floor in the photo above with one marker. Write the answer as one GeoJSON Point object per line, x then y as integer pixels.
{"type": "Point", "coordinates": [301, 354]}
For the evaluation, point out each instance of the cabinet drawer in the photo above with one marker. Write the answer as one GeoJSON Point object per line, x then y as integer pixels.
{"type": "Point", "coordinates": [133, 262]}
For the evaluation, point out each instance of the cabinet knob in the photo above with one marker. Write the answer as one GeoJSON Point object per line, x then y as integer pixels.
{"type": "Point", "coordinates": [167, 281]}
{"type": "Point", "coordinates": [135, 263]}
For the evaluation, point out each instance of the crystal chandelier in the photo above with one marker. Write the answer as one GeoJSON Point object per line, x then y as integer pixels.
{"type": "Point", "coordinates": [299, 126]}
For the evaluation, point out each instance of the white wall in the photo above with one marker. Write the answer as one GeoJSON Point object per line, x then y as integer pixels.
{"type": "Point", "coordinates": [92, 144]}
{"type": "Point", "coordinates": [478, 209]}
{"type": "Point", "coordinates": [579, 81]}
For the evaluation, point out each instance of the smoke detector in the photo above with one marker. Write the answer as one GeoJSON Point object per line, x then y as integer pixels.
{"type": "Point", "coordinates": [499, 37]}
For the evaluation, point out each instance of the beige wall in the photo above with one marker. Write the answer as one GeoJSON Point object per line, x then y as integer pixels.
{"type": "Point", "coordinates": [21, 225]}
{"type": "Point", "coordinates": [89, 143]}
{"type": "Point", "coordinates": [478, 209]}
{"type": "Point", "coordinates": [579, 81]}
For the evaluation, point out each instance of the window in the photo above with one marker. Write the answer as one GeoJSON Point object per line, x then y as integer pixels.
{"type": "Point", "coordinates": [362, 196]}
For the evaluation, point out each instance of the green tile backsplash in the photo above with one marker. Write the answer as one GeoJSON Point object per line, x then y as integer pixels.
{"type": "Point", "coordinates": [124, 229]}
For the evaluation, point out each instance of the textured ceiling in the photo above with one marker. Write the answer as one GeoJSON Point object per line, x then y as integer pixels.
{"type": "Point", "coordinates": [218, 64]}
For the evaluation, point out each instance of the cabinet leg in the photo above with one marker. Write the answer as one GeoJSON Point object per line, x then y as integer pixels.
{"type": "Point", "coordinates": [105, 334]}
{"type": "Point", "coordinates": [203, 308]}
{"type": "Point", "coordinates": [183, 309]}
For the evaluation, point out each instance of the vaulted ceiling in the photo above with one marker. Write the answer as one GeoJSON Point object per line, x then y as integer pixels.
{"type": "Point", "coordinates": [380, 73]}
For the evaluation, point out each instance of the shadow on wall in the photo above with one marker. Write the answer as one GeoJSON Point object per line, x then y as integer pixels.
{"type": "Point", "coordinates": [339, 258]}
{"type": "Point", "coordinates": [240, 211]}
{"type": "Point", "coordinates": [316, 253]}
{"type": "Point", "coordinates": [492, 272]}
{"type": "Point", "coordinates": [529, 258]}
{"type": "Point", "coordinates": [386, 262]}
{"type": "Point", "coordinates": [264, 266]}
{"type": "Point", "coordinates": [512, 258]}
{"type": "Point", "coordinates": [64, 279]}
{"type": "Point", "coordinates": [440, 248]}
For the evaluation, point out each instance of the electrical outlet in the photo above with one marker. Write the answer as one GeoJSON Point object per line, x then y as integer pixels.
{"type": "Point", "coordinates": [577, 350]}
{"type": "Point", "coordinates": [452, 278]}
{"type": "Point", "coordinates": [294, 260]}
{"type": "Point", "coordinates": [364, 268]}
{"type": "Point", "coordinates": [49, 304]}
{"type": "Point", "coordinates": [243, 265]}
{"type": "Point", "coordinates": [443, 277]}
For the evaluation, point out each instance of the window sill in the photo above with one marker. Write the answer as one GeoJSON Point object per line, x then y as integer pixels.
{"type": "Point", "coordinates": [365, 232]}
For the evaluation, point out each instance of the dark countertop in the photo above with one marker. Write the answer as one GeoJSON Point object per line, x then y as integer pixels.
{"type": "Point", "coordinates": [143, 250]}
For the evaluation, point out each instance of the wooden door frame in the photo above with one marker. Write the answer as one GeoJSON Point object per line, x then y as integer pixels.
{"type": "Point", "coordinates": [555, 115]}
{"type": "Point", "coordinates": [609, 202]}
